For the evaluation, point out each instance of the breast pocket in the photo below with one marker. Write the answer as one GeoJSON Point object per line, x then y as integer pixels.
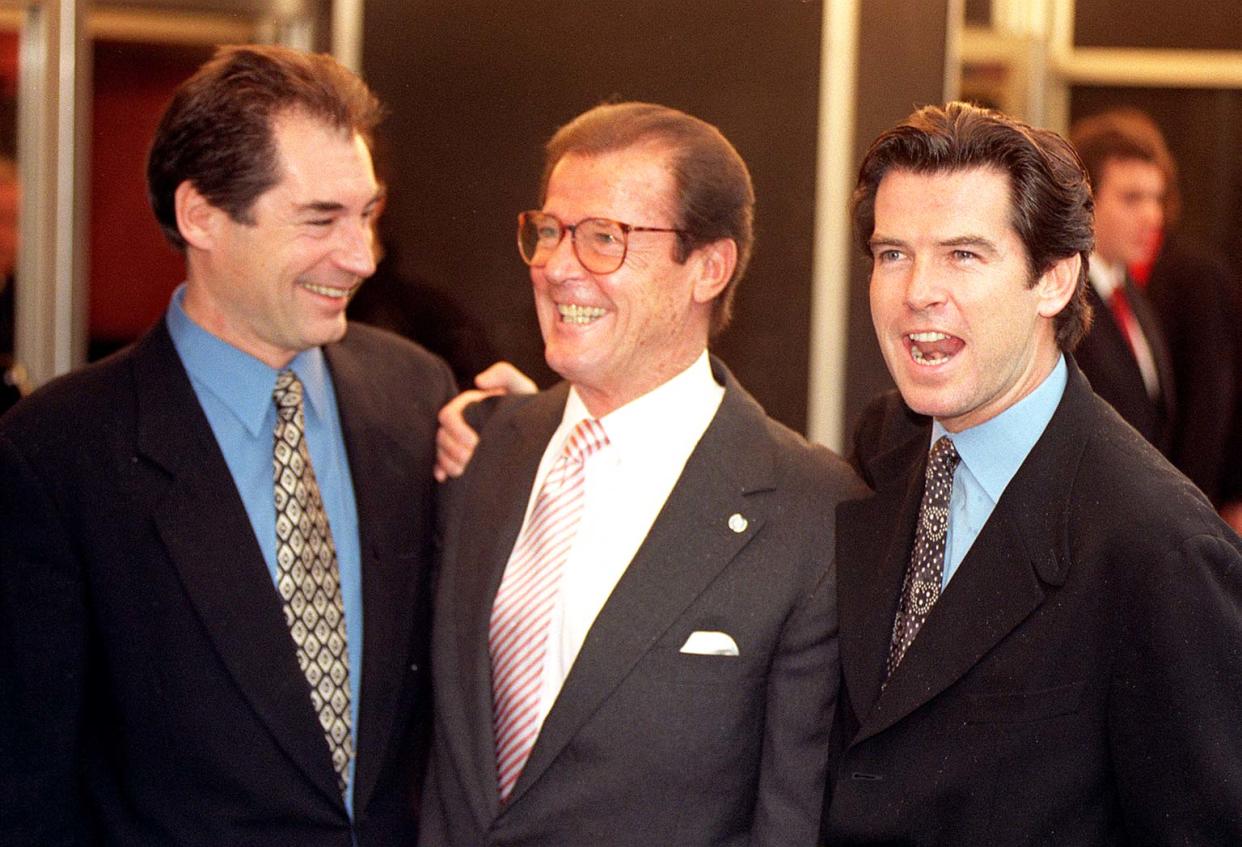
{"type": "Point", "coordinates": [1025, 706]}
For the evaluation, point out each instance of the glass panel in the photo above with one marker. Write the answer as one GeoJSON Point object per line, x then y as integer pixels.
{"type": "Point", "coordinates": [1188, 24]}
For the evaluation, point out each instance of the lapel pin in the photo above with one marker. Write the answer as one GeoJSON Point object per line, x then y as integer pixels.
{"type": "Point", "coordinates": [737, 523]}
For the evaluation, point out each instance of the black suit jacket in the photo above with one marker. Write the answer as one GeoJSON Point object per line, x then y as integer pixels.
{"type": "Point", "coordinates": [646, 745]}
{"type": "Point", "coordinates": [151, 693]}
{"type": "Point", "coordinates": [1105, 357]}
{"type": "Point", "coordinates": [1199, 305]}
{"type": "Point", "coordinates": [1077, 682]}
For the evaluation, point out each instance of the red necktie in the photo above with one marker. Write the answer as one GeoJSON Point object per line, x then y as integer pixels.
{"type": "Point", "coordinates": [1119, 303]}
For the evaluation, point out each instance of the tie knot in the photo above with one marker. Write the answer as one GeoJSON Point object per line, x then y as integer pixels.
{"type": "Point", "coordinates": [588, 436]}
{"type": "Point", "coordinates": [943, 459]}
{"type": "Point", "coordinates": [287, 394]}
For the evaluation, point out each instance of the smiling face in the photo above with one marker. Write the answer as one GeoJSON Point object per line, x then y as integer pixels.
{"type": "Point", "coordinates": [963, 333]}
{"type": "Point", "coordinates": [616, 336]}
{"type": "Point", "coordinates": [280, 284]}
{"type": "Point", "coordinates": [1129, 210]}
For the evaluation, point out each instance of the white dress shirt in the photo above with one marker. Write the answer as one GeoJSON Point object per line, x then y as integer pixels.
{"type": "Point", "coordinates": [627, 484]}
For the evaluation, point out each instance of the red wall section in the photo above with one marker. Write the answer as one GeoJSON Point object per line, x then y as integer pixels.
{"type": "Point", "coordinates": [133, 270]}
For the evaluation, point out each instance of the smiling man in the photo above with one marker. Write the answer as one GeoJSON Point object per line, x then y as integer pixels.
{"type": "Point", "coordinates": [215, 545]}
{"type": "Point", "coordinates": [1041, 620]}
{"type": "Point", "coordinates": [635, 636]}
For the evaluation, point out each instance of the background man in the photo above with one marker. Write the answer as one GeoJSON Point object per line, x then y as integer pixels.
{"type": "Point", "coordinates": [1124, 354]}
{"type": "Point", "coordinates": [1041, 619]}
{"type": "Point", "coordinates": [635, 632]}
{"type": "Point", "coordinates": [191, 653]}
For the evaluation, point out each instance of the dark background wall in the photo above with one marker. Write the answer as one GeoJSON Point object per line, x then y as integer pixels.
{"type": "Point", "coordinates": [901, 67]}
{"type": "Point", "coordinates": [476, 88]}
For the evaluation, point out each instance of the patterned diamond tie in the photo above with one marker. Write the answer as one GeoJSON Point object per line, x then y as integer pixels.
{"type": "Point", "coordinates": [523, 606]}
{"type": "Point", "coordinates": [308, 578]}
{"type": "Point", "coordinates": [926, 569]}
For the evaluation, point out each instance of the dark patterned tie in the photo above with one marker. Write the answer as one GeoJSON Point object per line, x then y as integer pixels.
{"type": "Point", "coordinates": [307, 575]}
{"type": "Point", "coordinates": [926, 569]}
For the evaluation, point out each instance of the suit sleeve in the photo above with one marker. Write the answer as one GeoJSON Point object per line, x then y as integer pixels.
{"type": "Point", "coordinates": [42, 663]}
{"type": "Point", "coordinates": [1177, 696]}
{"type": "Point", "coordinates": [801, 699]}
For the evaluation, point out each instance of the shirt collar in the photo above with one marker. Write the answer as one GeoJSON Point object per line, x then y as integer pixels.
{"type": "Point", "coordinates": [240, 381]}
{"type": "Point", "coordinates": [1105, 277]}
{"type": "Point", "coordinates": [660, 416]}
{"type": "Point", "coordinates": [995, 449]}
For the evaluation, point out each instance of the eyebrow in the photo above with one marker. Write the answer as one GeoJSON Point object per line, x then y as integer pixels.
{"type": "Point", "coordinates": [884, 241]}
{"type": "Point", "coordinates": [976, 241]}
{"type": "Point", "coordinates": [322, 207]}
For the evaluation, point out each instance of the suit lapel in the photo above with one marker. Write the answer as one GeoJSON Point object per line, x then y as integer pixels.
{"type": "Point", "coordinates": [212, 545]}
{"type": "Point", "coordinates": [666, 575]}
{"type": "Point", "coordinates": [880, 529]}
{"type": "Point", "coordinates": [1150, 325]}
{"type": "Point", "coordinates": [379, 464]}
{"type": "Point", "coordinates": [484, 539]}
{"type": "Point", "coordinates": [1020, 553]}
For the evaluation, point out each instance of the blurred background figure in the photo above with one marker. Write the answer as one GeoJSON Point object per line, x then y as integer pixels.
{"type": "Point", "coordinates": [1185, 301]}
{"type": "Point", "coordinates": [1124, 355]}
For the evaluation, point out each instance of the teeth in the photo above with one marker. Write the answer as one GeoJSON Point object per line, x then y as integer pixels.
{"type": "Point", "coordinates": [572, 313]}
{"type": "Point", "coordinates": [928, 336]}
{"type": "Point", "coordinates": [326, 290]}
{"type": "Point", "coordinates": [933, 359]}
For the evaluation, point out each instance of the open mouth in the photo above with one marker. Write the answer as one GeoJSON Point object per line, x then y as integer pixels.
{"type": "Point", "coordinates": [572, 313]}
{"type": "Point", "coordinates": [932, 348]}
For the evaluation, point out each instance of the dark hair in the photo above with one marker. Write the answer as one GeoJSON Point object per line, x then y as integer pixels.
{"type": "Point", "coordinates": [217, 130]}
{"type": "Point", "coordinates": [1126, 134]}
{"type": "Point", "coordinates": [1051, 205]}
{"type": "Point", "coordinates": [715, 198]}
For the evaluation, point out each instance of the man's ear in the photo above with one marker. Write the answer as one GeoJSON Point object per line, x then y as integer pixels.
{"type": "Point", "coordinates": [197, 220]}
{"type": "Point", "coordinates": [1057, 285]}
{"type": "Point", "coordinates": [715, 262]}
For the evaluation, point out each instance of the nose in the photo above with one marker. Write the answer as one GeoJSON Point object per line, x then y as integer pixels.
{"type": "Point", "coordinates": [924, 288]}
{"type": "Point", "coordinates": [355, 253]}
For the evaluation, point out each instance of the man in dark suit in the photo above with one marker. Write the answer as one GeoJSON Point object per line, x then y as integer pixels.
{"type": "Point", "coordinates": [635, 625]}
{"type": "Point", "coordinates": [1041, 619]}
{"type": "Point", "coordinates": [215, 544]}
{"type": "Point", "coordinates": [1124, 353]}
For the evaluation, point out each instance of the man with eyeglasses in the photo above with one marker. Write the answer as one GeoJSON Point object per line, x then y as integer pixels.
{"type": "Point", "coordinates": [635, 618]}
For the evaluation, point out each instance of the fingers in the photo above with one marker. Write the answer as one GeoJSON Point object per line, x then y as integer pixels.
{"type": "Point", "coordinates": [504, 378]}
{"type": "Point", "coordinates": [456, 439]}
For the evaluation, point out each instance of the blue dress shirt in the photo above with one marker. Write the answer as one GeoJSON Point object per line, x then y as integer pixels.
{"type": "Point", "coordinates": [991, 454]}
{"type": "Point", "coordinates": [235, 392]}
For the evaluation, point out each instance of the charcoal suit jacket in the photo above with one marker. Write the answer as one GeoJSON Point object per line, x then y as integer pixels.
{"type": "Point", "coordinates": [646, 745]}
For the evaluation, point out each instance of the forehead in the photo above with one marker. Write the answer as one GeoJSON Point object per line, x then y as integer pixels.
{"type": "Point", "coordinates": [1132, 173]}
{"type": "Point", "coordinates": [317, 156]}
{"type": "Point", "coordinates": [629, 184]}
{"type": "Point", "coordinates": [943, 204]}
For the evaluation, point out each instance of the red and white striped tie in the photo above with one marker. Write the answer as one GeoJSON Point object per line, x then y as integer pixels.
{"type": "Point", "coordinates": [523, 607]}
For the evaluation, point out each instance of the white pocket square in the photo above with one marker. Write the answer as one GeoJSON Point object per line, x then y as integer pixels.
{"type": "Point", "coordinates": [710, 643]}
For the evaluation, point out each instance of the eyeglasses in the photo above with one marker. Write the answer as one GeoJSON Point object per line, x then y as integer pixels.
{"type": "Point", "coordinates": [599, 243]}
